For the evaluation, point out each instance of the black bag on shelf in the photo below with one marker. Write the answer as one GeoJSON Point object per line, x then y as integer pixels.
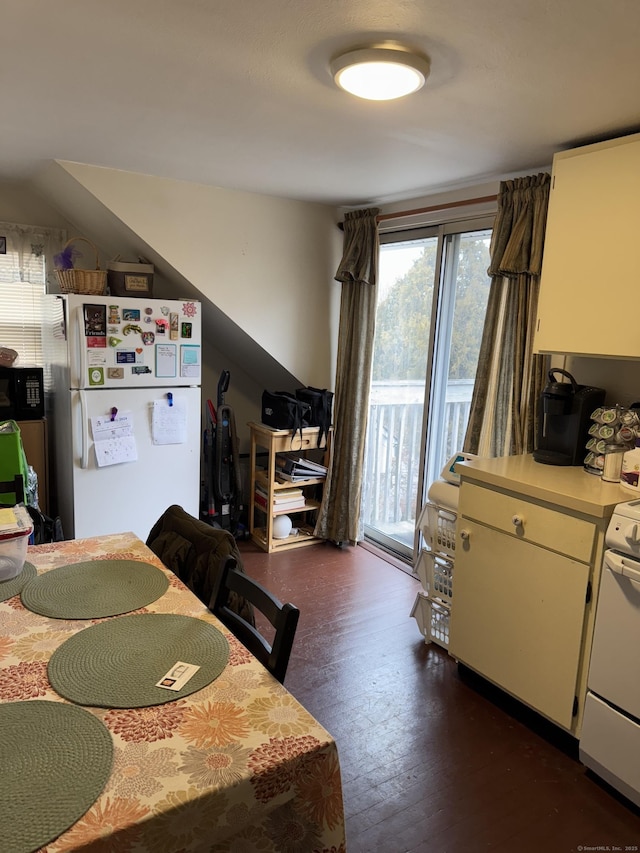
{"type": "Point", "coordinates": [282, 410]}
{"type": "Point", "coordinates": [320, 400]}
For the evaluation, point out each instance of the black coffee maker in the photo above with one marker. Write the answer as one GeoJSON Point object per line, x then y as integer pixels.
{"type": "Point", "coordinates": [564, 419]}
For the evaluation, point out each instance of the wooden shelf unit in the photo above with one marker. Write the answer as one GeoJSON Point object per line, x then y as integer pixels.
{"type": "Point", "coordinates": [276, 441]}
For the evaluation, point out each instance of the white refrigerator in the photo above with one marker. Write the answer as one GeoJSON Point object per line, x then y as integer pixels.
{"type": "Point", "coordinates": [124, 404]}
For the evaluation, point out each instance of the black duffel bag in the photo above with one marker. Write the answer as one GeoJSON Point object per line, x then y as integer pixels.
{"type": "Point", "coordinates": [45, 529]}
{"type": "Point", "coordinates": [282, 410]}
{"type": "Point", "coordinates": [321, 402]}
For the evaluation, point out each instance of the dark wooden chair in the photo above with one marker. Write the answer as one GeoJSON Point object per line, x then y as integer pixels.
{"type": "Point", "coordinates": [15, 487]}
{"type": "Point", "coordinates": [282, 617]}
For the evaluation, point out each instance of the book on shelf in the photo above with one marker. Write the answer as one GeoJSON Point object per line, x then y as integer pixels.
{"type": "Point", "coordinates": [294, 478]}
{"type": "Point", "coordinates": [298, 466]}
{"type": "Point", "coordinates": [284, 494]}
{"type": "Point", "coordinates": [291, 504]}
{"type": "Point", "coordinates": [294, 505]}
{"type": "Point", "coordinates": [281, 495]}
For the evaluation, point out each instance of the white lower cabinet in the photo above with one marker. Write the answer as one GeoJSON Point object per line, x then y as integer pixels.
{"type": "Point", "coordinates": [518, 616]}
{"type": "Point", "coordinates": [529, 546]}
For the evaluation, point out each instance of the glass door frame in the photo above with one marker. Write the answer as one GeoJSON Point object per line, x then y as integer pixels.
{"type": "Point", "coordinates": [438, 348]}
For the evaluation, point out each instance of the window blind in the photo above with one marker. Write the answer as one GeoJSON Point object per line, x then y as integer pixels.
{"type": "Point", "coordinates": [26, 257]}
{"type": "Point", "coordinates": [21, 311]}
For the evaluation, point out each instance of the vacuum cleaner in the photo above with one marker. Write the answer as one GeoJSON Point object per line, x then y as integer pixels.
{"type": "Point", "coordinates": [223, 485]}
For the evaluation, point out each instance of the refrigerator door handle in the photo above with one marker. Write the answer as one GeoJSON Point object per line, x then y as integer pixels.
{"type": "Point", "coordinates": [84, 430]}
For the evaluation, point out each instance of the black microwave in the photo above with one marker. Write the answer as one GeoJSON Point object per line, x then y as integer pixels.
{"type": "Point", "coordinates": [21, 393]}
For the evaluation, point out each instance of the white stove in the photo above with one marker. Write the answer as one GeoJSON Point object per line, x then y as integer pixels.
{"type": "Point", "coordinates": [610, 738]}
{"type": "Point", "coordinates": [623, 532]}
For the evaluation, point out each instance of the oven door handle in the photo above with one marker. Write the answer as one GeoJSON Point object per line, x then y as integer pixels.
{"type": "Point", "coordinates": [628, 568]}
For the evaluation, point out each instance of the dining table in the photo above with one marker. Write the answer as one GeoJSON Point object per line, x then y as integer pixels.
{"type": "Point", "coordinates": [237, 765]}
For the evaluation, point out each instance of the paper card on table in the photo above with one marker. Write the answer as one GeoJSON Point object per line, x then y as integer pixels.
{"type": "Point", "coordinates": [113, 437]}
{"type": "Point", "coordinates": [190, 361]}
{"type": "Point", "coordinates": [169, 422]}
{"type": "Point", "coordinates": [178, 676]}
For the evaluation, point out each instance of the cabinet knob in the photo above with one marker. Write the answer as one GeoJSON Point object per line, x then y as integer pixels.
{"type": "Point", "coordinates": [464, 535]}
{"type": "Point", "coordinates": [517, 520]}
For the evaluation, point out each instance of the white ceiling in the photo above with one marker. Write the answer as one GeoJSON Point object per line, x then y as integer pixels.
{"type": "Point", "coordinates": [238, 93]}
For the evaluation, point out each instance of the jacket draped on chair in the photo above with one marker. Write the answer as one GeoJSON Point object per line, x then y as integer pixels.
{"type": "Point", "coordinates": [196, 552]}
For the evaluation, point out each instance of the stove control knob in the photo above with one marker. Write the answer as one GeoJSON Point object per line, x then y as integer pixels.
{"type": "Point", "coordinates": [632, 535]}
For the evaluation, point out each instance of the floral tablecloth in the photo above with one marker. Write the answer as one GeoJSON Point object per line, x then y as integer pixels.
{"type": "Point", "coordinates": [238, 766]}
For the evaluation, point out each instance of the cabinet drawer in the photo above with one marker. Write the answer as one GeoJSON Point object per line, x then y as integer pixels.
{"type": "Point", "coordinates": [284, 442]}
{"type": "Point", "coordinates": [528, 521]}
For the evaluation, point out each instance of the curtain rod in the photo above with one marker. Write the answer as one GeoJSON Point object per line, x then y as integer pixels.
{"type": "Point", "coordinates": [401, 214]}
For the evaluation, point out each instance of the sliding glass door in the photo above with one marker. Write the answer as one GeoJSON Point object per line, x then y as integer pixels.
{"type": "Point", "coordinates": [432, 297]}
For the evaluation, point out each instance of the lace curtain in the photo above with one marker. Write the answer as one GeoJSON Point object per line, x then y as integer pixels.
{"type": "Point", "coordinates": [25, 248]}
{"type": "Point", "coordinates": [26, 273]}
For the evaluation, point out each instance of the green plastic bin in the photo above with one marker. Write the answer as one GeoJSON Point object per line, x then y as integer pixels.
{"type": "Point", "coordinates": [12, 458]}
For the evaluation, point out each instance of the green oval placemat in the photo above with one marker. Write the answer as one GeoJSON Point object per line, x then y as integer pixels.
{"type": "Point", "coordinates": [55, 761]}
{"type": "Point", "coordinates": [14, 585]}
{"type": "Point", "coordinates": [116, 664]}
{"type": "Point", "coordinates": [94, 589]}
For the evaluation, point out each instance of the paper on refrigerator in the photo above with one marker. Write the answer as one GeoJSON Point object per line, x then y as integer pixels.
{"type": "Point", "coordinates": [169, 421]}
{"type": "Point", "coordinates": [114, 440]}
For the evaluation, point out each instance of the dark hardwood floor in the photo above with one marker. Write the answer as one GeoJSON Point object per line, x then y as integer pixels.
{"type": "Point", "coordinates": [432, 758]}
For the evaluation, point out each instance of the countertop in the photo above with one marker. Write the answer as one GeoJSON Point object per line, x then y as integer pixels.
{"type": "Point", "coordinates": [570, 487]}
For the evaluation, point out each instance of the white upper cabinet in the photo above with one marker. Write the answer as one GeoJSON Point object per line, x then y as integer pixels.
{"type": "Point", "coordinates": [590, 282]}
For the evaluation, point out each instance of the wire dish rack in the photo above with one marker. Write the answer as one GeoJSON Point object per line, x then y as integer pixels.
{"type": "Point", "coordinates": [440, 529]}
{"type": "Point", "coordinates": [435, 569]}
{"type": "Point", "coordinates": [432, 618]}
{"type": "Point", "coordinates": [436, 576]}
{"type": "Point", "coordinates": [437, 526]}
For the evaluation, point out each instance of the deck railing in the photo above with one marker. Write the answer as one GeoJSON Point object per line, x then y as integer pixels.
{"type": "Point", "coordinates": [395, 434]}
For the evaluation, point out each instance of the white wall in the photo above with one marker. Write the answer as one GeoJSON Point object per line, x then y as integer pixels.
{"type": "Point", "coordinates": [21, 205]}
{"type": "Point", "coordinates": [267, 263]}
{"type": "Point", "coordinates": [620, 378]}
{"type": "Point", "coordinates": [263, 267]}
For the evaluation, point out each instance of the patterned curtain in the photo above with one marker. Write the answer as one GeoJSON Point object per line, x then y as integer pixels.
{"type": "Point", "coordinates": [339, 515]}
{"type": "Point", "coordinates": [510, 377]}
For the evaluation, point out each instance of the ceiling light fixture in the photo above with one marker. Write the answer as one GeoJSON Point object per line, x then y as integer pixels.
{"type": "Point", "coordinates": [380, 72]}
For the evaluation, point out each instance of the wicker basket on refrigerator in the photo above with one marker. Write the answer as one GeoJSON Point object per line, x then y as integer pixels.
{"type": "Point", "coordinates": [89, 282]}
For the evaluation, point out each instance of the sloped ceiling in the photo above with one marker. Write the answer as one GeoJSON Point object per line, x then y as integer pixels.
{"type": "Point", "coordinates": [239, 94]}
{"type": "Point", "coordinates": [133, 216]}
